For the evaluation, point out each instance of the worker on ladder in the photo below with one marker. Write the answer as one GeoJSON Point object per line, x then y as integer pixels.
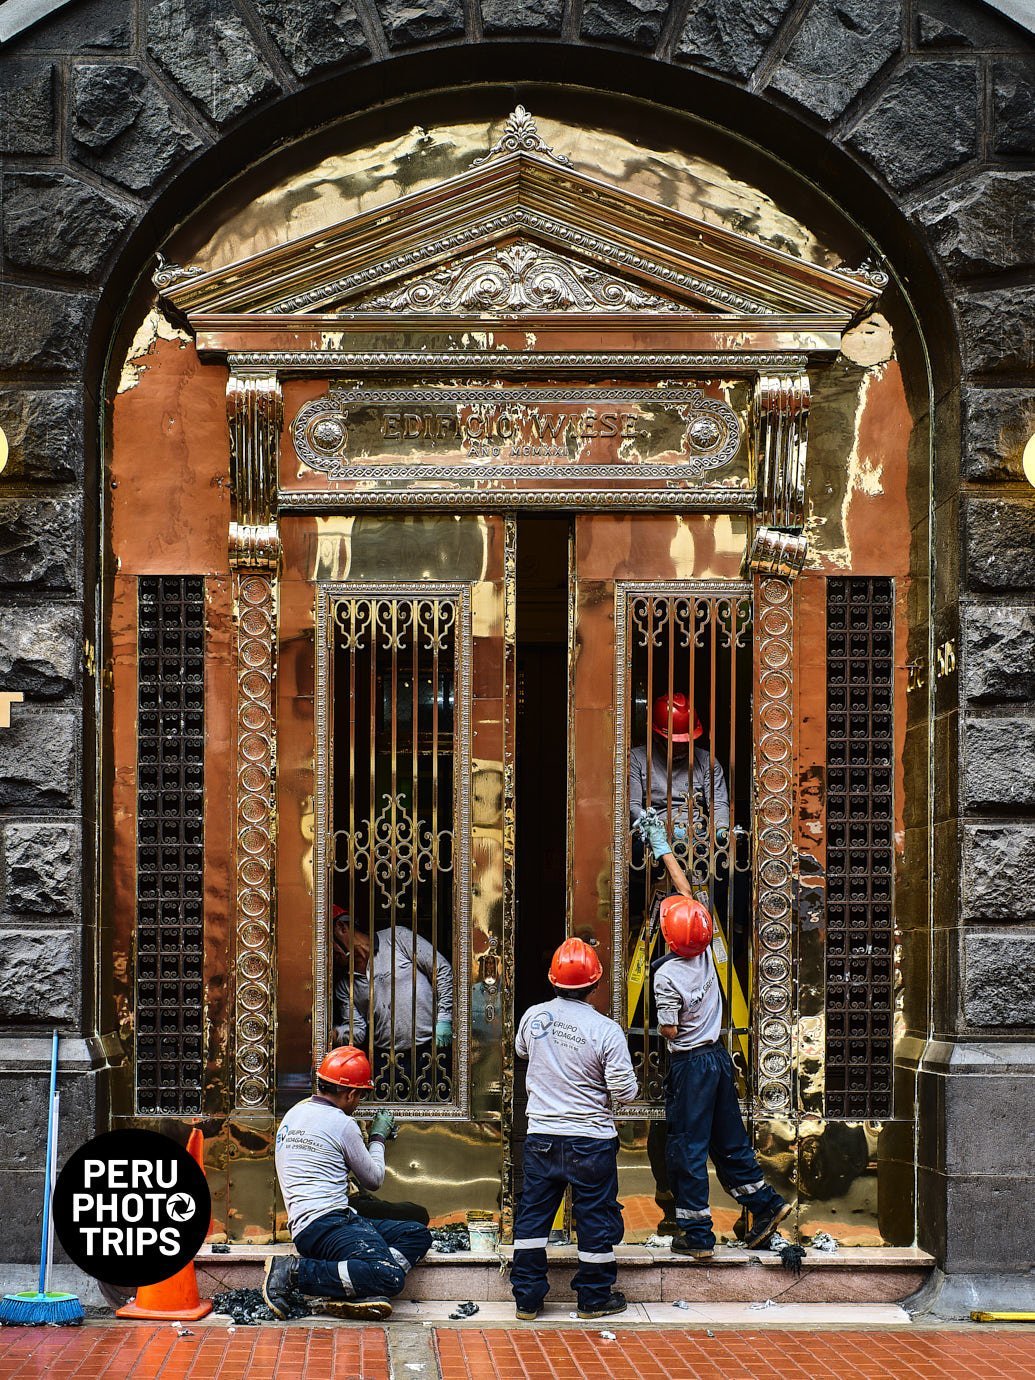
{"type": "Point", "coordinates": [675, 781]}
{"type": "Point", "coordinates": [702, 1111]}
{"type": "Point", "coordinates": [579, 1067]}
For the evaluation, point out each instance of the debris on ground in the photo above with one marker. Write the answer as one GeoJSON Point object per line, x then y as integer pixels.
{"type": "Point", "coordinates": [249, 1307]}
{"type": "Point", "coordinates": [220, 1248]}
{"type": "Point", "coordinates": [464, 1310]}
{"type": "Point", "coordinates": [791, 1257]}
{"type": "Point", "coordinates": [708, 1332]}
{"type": "Point", "coordinates": [659, 1243]}
{"type": "Point", "coordinates": [680, 1303]}
{"type": "Point", "coordinates": [450, 1240]}
{"type": "Point", "coordinates": [182, 1331]}
{"type": "Point", "coordinates": [414, 1365]}
{"type": "Point", "coordinates": [777, 1242]}
{"type": "Point", "coordinates": [609, 1336]}
{"type": "Point", "coordinates": [759, 1307]}
{"type": "Point", "coordinates": [823, 1241]}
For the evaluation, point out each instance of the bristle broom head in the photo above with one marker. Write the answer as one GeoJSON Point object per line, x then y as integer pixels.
{"type": "Point", "coordinates": [40, 1310]}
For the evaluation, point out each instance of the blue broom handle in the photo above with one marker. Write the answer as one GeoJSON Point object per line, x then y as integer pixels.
{"type": "Point", "coordinates": [51, 1153]}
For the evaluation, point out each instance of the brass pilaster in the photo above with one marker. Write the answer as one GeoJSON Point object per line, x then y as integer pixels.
{"type": "Point", "coordinates": [254, 414]}
{"type": "Point", "coordinates": [778, 552]}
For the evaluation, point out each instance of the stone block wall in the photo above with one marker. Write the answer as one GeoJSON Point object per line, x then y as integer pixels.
{"type": "Point", "coordinates": [118, 116]}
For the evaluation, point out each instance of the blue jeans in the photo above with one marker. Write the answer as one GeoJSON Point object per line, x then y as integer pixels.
{"type": "Point", "coordinates": [703, 1118]}
{"type": "Point", "coordinates": [343, 1256]}
{"type": "Point", "coordinates": [591, 1168]}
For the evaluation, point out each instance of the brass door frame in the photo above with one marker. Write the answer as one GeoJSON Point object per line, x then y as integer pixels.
{"type": "Point", "coordinates": [459, 1109]}
{"type": "Point", "coordinates": [624, 591]}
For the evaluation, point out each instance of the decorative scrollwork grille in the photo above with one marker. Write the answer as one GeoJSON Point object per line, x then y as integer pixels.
{"type": "Point", "coordinates": [395, 672]}
{"type": "Point", "coordinates": [696, 642]}
{"type": "Point", "coordinates": [860, 846]}
{"type": "Point", "coordinates": [170, 844]}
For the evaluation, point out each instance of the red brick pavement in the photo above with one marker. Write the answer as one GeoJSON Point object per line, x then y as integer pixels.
{"type": "Point", "coordinates": [137, 1352]}
{"type": "Point", "coordinates": [570, 1354]}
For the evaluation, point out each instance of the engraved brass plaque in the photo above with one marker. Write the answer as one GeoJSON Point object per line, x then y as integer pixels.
{"type": "Point", "coordinates": [523, 436]}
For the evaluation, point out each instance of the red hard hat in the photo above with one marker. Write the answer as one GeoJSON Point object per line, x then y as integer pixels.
{"type": "Point", "coordinates": [680, 718]}
{"type": "Point", "coordinates": [346, 1066]}
{"type": "Point", "coordinates": [686, 925]}
{"type": "Point", "coordinates": [575, 965]}
{"type": "Point", "coordinates": [339, 912]}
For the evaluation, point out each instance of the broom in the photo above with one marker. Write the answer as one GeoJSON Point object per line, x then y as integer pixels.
{"type": "Point", "coordinates": [33, 1309]}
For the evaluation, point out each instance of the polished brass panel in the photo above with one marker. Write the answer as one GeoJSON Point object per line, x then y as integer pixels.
{"type": "Point", "coordinates": [607, 436]}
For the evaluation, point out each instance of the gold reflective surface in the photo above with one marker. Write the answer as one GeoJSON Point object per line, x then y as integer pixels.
{"type": "Point", "coordinates": [862, 497]}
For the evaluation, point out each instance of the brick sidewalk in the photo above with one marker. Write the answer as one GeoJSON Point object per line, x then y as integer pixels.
{"type": "Point", "coordinates": [570, 1354]}
{"type": "Point", "coordinates": [345, 1352]}
{"type": "Point", "coordinates": [138, 1352]}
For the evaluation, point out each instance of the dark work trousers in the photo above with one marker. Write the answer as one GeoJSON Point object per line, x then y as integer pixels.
{"type": "Point", "coordinates": [343, 1256]}
{"type": "Point", "coordinates": [377, 1210]}
{"type": "Point", "coordinates": [703, 1117]}
{"type": "Point", "coordinates": [591, 1167]}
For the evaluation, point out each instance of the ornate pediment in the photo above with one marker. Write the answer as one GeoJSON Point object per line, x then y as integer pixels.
{"type": "Point", "coordinates": [522, 234]}
{"type": "Point", "coordinates": [511, 279]}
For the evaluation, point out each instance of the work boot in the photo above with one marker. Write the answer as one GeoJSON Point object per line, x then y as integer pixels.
{"type": "Point", "coordinates": [527, 1312]}
{"type": "Point", "coordinates": [764, 1223]}
{"type": "Point", "coordinates": [614, 1303]}
{"type": "Point", "coordinates": [279, 1284]}
{"type": "Point", "coordinates": [370, 1309]}
{"type": "Point", "coordinates": [682, 1246]}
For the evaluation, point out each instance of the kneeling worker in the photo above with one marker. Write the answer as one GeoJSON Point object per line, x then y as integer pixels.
{"type": "Point", "coordinates": [577, 1061]}
{"type": "Point", "coordinates": [360, 1263]}
{"type": "Point", "coordinates": [702, 1112]}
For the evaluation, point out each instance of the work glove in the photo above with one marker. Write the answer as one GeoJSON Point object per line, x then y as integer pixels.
{"type": "Point", "coordinates": [443, 1034]}
{"type": "Point", "coordinates": [652, 831]}
{"type": "Point", "coordinates": [383, 1126]}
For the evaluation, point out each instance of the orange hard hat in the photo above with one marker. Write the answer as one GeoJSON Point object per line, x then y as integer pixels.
{"type": "Point", "coordinates": [681, 711]}
{"type": "Point", "coordinates": [346, 1066]}
{"type": "Point", "coordinates": [686, 925]}
{"type": "Point", "coordinates": [575, 965]}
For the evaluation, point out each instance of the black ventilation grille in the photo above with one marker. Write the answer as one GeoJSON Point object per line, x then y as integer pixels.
{"type": "Point", "coordinates": [860, 856]}
{"type": "Point", "coordinates": [170, 838]}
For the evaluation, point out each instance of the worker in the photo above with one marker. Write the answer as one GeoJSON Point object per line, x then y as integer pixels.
{"type": "Point", "coordinates": [410, 1011]}
{"type": "Point", "coordinates": [702, 1112]}
{"type": "Point", "coordinates": [694, 788]}
{"type": "Point", "coordinates": [578, 1069]}
{"type": "Point", "coordinates": [359, 1264]}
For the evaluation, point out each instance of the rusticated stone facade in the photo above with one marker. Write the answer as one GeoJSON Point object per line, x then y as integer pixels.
{"type": "Point", "coordinates": [116, 118]}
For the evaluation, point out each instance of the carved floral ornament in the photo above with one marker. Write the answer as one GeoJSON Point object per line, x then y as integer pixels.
{"type": "Point", "coordinates": [518, 277]}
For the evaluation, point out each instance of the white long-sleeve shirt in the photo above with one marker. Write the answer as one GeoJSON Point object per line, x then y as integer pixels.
{"type": "Point", "coordinates": [578, 1067]}
{"type": "Point", "coordinates": [395, 1021]}
{"type": "Point", "coordinates": [318, 1146]}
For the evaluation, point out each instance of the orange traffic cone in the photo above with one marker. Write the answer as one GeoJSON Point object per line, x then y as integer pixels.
{"type": "Point", "coordinates": [176, 1298]}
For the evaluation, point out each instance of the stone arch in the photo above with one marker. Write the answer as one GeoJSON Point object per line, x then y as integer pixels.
{"type": "Point", "coordinates": [68, 279]}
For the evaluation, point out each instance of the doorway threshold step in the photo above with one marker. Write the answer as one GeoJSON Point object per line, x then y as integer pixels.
{"type": "Point", "coordinates": [878, 1275]}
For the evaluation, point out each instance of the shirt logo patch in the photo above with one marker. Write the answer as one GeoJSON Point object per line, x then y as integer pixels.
{"type": "Point", "coordinates": [540, 1025]}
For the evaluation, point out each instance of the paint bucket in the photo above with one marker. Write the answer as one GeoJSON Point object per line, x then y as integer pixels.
{"type": "Point", "coordinates": [484, 1232]}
